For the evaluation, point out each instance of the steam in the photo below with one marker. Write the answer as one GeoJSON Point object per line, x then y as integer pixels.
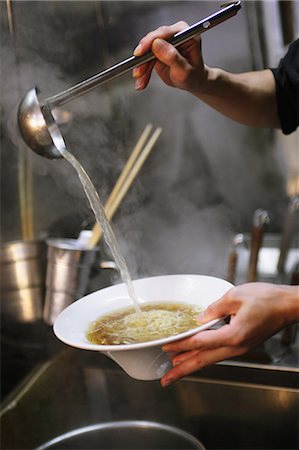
{"type": "Point", "coordinates": [203, 180]}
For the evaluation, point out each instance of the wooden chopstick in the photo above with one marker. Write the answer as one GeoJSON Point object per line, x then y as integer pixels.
{"type": "Point", "coordinates": [128, 166]}
{"type": "Point", "coordinates": [126, 178]}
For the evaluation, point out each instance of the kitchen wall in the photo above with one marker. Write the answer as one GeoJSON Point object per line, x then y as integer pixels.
{"type": "Point", "coordinates": [206, 175]}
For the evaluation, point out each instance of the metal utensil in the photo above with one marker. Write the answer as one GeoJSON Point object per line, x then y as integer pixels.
{"type": "Point", "coordinates": [260, 219]}
{"type": "Point", "coordinates": [232, 262]}
{"type": "Point", "coordinates": [287, 234]}
{"type": "Point", "coordinates": [22, 280]}
{"type": "Point", "coordinates": [126, 434]}
{"type": "Point", "coordinates": [35, 118]}
{"type": "Point", "coordinates": [68, 273]}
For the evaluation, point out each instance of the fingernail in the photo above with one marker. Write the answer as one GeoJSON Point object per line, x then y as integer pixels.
{"type": "Point", "coordinates": [166, 382]}
{"type": "Point", "coordinates": [175, 362]}
{"type": "Point", "coordinates": [135, 72]}
{"type": "Point", "coordinates": [138, 84]}
{"type": "Point", "coordinates": [138, 50]}
{"type": "Point", "coordinates": [201, 316]}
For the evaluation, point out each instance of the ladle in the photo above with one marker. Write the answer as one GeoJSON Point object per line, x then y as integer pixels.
{"type": "Point", "coordinates": [35, 118]}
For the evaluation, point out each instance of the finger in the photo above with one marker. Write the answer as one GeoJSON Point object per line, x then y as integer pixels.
{"type": "Point", "coordinates": [143, 69]}
{"type": "Point", "coordinates": [164, 32]}
{"type": "Point", "coordinates": [143, 72]}
{"type": "Point", "coordinates": [169, 55]}
{"type": "Point", "coordinates": [196, 362]}
{"type": "Point", "coordinates": [163, 72]}
{"type": "Point", "coordinates": [203, 340]}
{"type": "Point", "coordinates": [143, 78]}
{"type": "Point", "coordinates": [191, 50]}
{"type": "Point", "coordinates": [181, 357]}
{"type": "Point", "coordinates": [185, 50]}
{"type": "Point", "coordinates": [176, 69]}
{"type": "Point", "coordinates": [223, 307]}
{"type": "Point", "coordinates": [139, 71]}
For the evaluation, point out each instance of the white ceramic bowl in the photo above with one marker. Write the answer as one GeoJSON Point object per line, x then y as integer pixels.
{"type": "Point", "coordinates": [143, 361]}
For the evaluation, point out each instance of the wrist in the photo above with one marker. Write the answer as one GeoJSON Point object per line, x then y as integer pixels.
{"type": "Point", "coordinates": [207, 82]}
{"type": "Point", "coordinates": [290, 303]}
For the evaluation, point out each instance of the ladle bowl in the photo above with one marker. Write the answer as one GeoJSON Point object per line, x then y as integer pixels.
{"type": "Point", "coordinates": [145, 360]}
{"type": "Point", "coordinates": [38, 127]}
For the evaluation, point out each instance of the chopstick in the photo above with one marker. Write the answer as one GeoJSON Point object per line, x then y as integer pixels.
{"type": "Point", "coordinates": [126, 178]}
{"type": "Point", "coordinates": [128, 166]}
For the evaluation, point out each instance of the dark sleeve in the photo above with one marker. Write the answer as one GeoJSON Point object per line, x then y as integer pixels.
{"type": "Point", "coordinates": [287, 89]}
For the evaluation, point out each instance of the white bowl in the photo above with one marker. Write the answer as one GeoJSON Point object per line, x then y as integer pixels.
{"type": "Point", "coordinates": [146, 360]}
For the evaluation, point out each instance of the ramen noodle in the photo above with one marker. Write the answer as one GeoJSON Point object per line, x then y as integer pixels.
{"type": "Point", "coordinates": [155, 321]}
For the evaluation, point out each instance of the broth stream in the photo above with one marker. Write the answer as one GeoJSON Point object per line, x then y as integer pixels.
{"type": "Point", "coordinates": [109, 236]}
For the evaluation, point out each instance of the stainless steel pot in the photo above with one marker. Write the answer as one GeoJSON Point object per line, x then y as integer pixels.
{"type": "Point", "coordinates": [128, 435]}
{"type": "Point", "coordinates": [22, 272]}
{"type": "Point", "coordinates": [68, 273]}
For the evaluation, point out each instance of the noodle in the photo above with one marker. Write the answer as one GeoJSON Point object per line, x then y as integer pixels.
{"type": "Point", "coordinates": [155, 321]}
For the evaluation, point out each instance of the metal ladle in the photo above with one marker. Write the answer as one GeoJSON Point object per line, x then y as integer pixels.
{"type": "Point", "coordinates": [35, 118]}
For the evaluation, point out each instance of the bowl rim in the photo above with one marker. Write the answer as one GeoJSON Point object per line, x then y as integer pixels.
{"type": "Point", "coordinates": [139, 345]}
{"type": "Point", "coordinates": [124, 424]}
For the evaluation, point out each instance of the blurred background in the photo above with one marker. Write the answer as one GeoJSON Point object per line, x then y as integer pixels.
{"type": "Point", "coordinates": [206, 176]}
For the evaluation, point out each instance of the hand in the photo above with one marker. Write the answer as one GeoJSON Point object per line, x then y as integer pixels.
{"type": "Point", "coordinates": [178, 67]}
{"type": "Point", "coordinates": [248, 98]}
{"type": "Point", "coordinates": [257, 311]}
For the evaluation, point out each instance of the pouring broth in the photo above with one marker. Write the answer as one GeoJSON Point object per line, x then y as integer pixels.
{"type": "Point", "coordinates": [154, 321]}
{"type": "Point", "coordinates": [99, 212]}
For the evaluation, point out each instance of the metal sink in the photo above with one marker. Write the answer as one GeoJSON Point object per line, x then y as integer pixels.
{"type": "Point", "coordinates": [225, 406]}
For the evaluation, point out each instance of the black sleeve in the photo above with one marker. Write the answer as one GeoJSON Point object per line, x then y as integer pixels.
{"type": "Point", "coordinates": [287, 89]}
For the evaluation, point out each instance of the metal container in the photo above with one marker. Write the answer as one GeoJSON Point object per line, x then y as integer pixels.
{"type": "Point", "coordinates": [125, 435]}
{"type": "Point", "coordinates": [22, 272]}
{"type": "Point", "coordinates": [68, 273]}
{"type": "Point", "coordinates": [268, 258]}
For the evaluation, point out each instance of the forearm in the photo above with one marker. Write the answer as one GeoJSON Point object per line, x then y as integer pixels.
{"type": "Point", "coordinates": [248, 98]}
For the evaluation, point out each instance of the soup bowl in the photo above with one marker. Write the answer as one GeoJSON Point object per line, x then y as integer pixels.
{"type": "Point", "coordinates": [145, 360]}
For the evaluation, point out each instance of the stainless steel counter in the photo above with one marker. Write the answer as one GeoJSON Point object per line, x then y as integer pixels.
{"type": "Point", "coordinates": [233, 405]}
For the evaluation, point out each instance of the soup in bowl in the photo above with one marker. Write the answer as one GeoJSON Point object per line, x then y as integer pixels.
{"type": "Point", "coordinates": [105, 321]}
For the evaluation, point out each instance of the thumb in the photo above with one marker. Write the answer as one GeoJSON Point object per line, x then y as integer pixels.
{"type": "Point", "coordinates": [217, 309]}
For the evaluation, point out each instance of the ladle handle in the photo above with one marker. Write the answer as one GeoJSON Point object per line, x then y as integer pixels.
{"type": "Point", "coordinates": [132, 62]}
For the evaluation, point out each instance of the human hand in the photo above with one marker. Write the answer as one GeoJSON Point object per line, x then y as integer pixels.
{"type": "Point", "coordinates": [257, 311]}
{"type": "Point", "coordinates": [178, 67]}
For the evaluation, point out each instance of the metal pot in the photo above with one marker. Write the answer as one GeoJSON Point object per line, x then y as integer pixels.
{"type": "Point", "coordinates": [22, 270]}
{"type": "Point", "coordinates": [68, 274]}
{"type": "Point", "coordinates": [125, 435]}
